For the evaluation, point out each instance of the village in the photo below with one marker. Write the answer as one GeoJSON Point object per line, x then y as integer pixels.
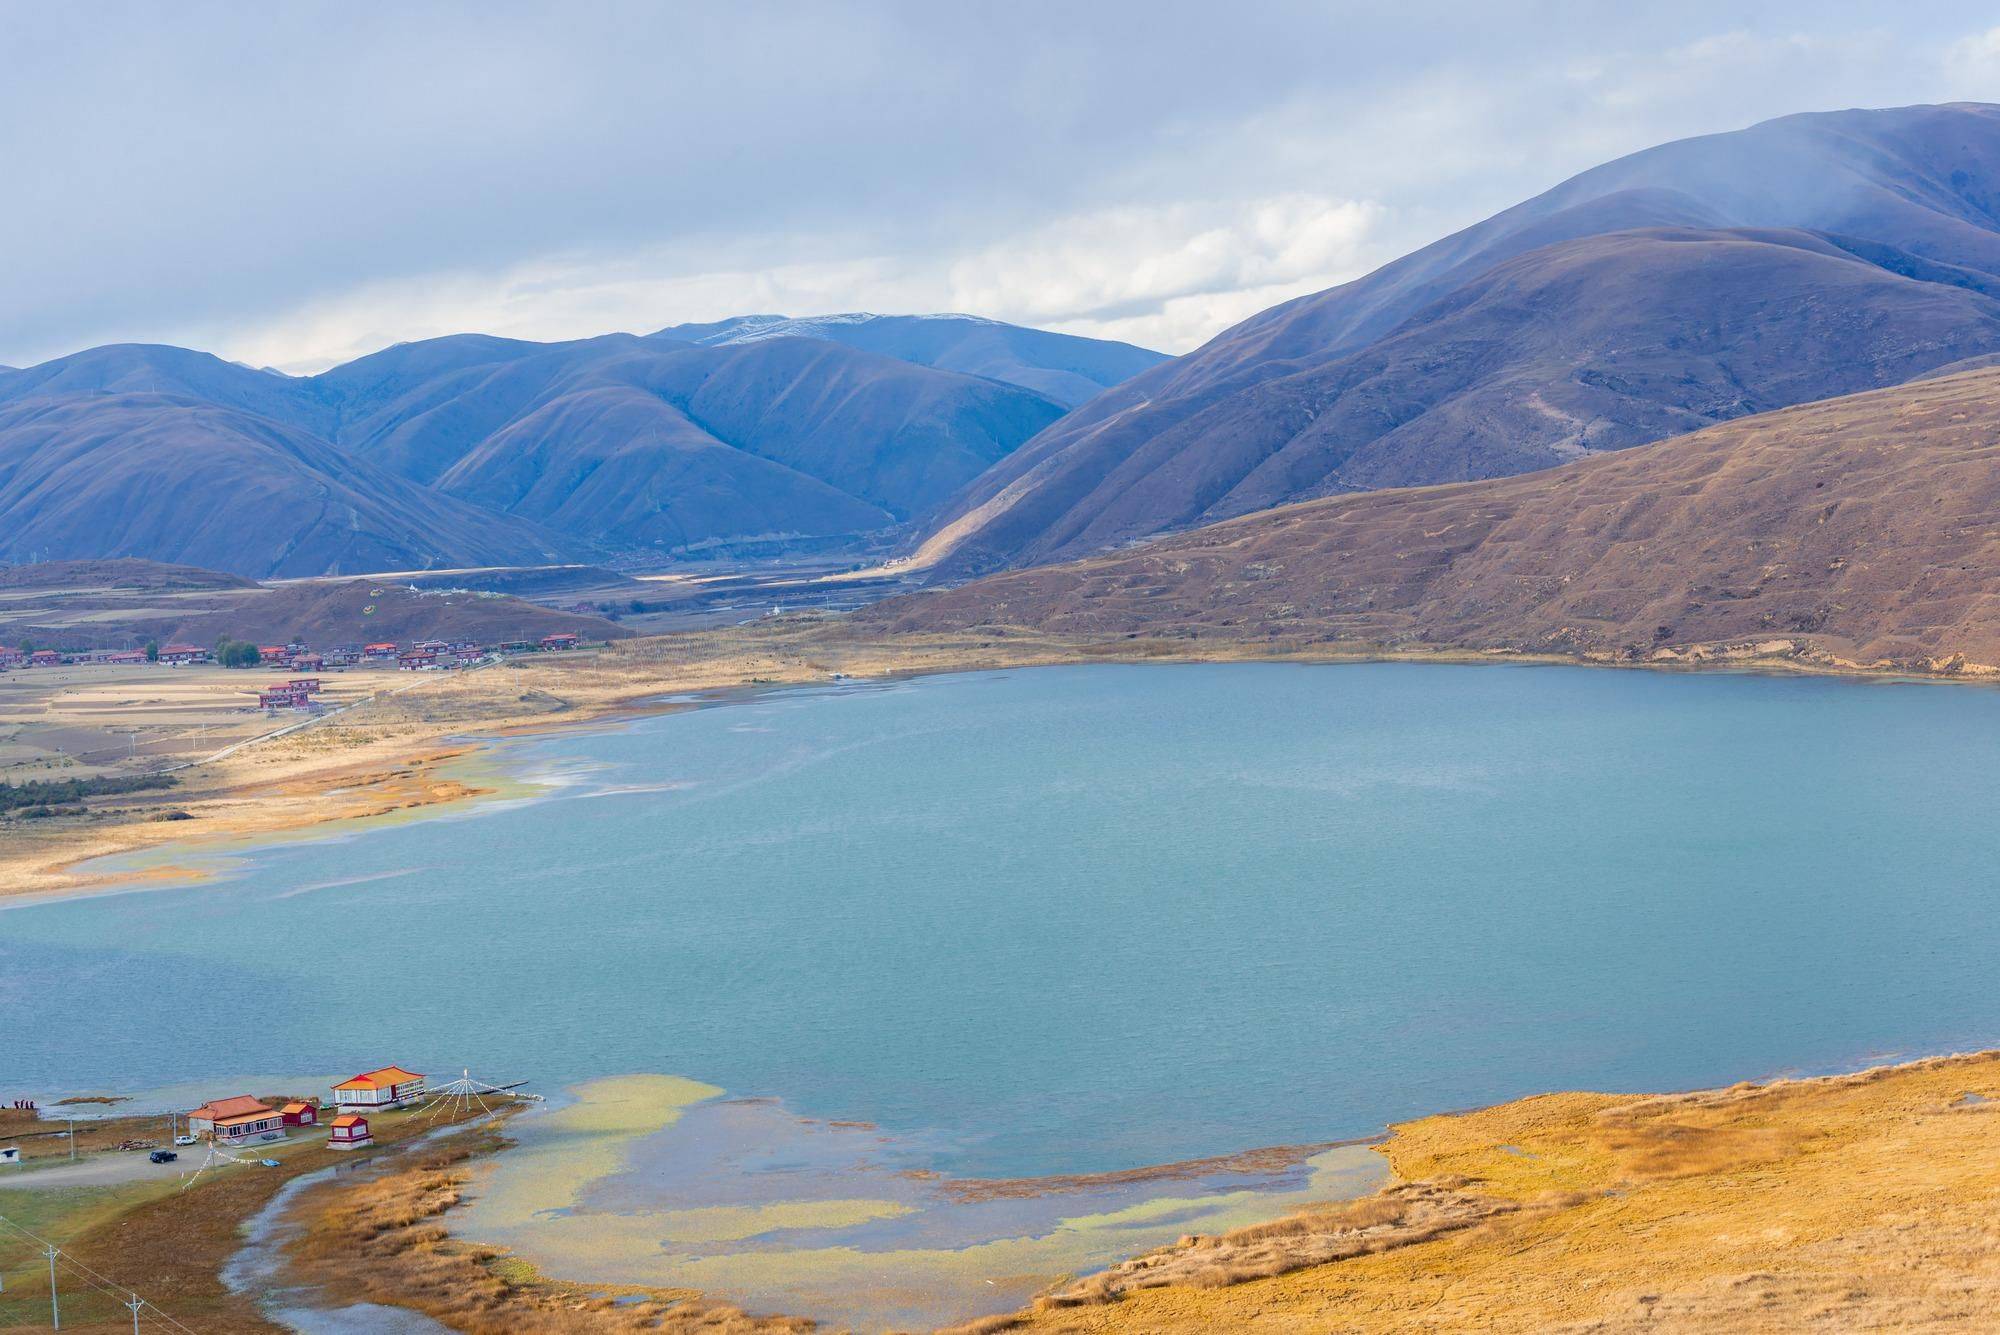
{"type": "Point", "coordinates": [178, 1181]}
{"type": "Point", "coordinates": [298, 692]}
{"type": "Point", "coordinates": [225, 1125]}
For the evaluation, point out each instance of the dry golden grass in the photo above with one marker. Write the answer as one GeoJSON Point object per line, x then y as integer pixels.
{"type": "Point", "coordinates": [1869, 1201]}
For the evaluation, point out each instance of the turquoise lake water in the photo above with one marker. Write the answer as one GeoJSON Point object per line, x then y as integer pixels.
{"type": "Point", "coordinates": [1079, 919]}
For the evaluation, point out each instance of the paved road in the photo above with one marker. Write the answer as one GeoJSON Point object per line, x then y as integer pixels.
{"type": "Point", "coordinates": [112, 1167]}
{"type": "Point", "coordinates": [95, 1170]}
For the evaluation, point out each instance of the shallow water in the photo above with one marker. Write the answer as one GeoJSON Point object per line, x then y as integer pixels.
{"type": "Point", "coordinates": [1082, 919]}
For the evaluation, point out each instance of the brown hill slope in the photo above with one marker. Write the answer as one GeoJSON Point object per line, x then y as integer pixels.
{"type": "Point", "coordinates": [1690, 284]}
{"type": "Point", "coordinates": [1865, 528]}
{"type": "Point", "coordinates": [123, 603]}
{"type": "Point", "coordinates": [175, 480]}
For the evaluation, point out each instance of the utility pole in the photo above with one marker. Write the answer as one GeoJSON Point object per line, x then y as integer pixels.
{"type": "Point", "coordinates": [135, 1304]}
{"type": "Point", "coordinates": [55, 1307]}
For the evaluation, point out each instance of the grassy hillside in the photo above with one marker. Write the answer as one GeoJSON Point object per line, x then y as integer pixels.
{"type": "Point", "coordinates": [1860, 528]}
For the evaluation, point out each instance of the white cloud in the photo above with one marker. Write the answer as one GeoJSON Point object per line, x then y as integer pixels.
{"type": "Point", "coordinates": [1973, 63]}
{"type": "Point", "coordinates": [299, 191]}
{"type": "Point", "coordinates": [1132, 263]}
{"type": "Point", "coordinates": [1169, 276]}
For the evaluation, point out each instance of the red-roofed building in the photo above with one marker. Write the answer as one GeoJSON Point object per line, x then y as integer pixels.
{"type": "Point", "coordinates": [237, 1121]}
{"type": "Point", "coordinates": [389, 1087]}
{"type": "Point", "coordinates": [387, 649]}
{"type": "Point", "coordinates": [566, 640]}
{"type": "Point", "coordinates": [349, 1131]}
{"type": "Point", "coordinates": [299, 1113]}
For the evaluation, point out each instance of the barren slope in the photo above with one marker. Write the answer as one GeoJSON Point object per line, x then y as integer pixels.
{"type": "Point", "coordinates": [1820, 255]}
{"type": "Point", "coordinates": [1866, 528]}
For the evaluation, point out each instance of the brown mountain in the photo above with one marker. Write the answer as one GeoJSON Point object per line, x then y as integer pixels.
{"type": "Point", "coordinates": [470, 449]}
{"type": "Point", "coordinates": [1864, 528]}
{"type": "Point", "coordinates": [1696, 282]}
{"type": "Point", "coordinates": [172, 479]}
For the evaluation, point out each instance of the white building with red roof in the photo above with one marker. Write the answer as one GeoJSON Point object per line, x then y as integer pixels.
{"type": "Point", "coordinates": [237, 1121]}
{"type": "Point", "coordinates": [389, 1087]}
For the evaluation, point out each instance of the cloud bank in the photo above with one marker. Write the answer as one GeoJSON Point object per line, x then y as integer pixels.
{"type": "Point", "coordinates": [300, 184]}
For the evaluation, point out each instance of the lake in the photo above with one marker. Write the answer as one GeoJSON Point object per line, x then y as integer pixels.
{"type": "Point", "coordinates": [822, 945]}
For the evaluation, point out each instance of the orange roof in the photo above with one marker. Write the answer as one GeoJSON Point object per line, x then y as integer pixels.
{"type": "Point", "coordinates": [388, 1075]}
{"type": "Point", "coordinates": [216, 1110]}
{"type": "Point", "coordinates": [261, 1115]}
{"type": "Point", "coordinates": [296, 1106]}
{"type": "Point", "coordinates": [349, 1119]}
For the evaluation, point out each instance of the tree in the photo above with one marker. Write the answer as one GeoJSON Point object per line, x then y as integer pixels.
{"type": "Point", "coordinates": [236, 653]}
{"type": "Point", "coordinates": [152, 651]}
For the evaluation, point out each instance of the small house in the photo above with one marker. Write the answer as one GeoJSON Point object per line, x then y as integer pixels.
{"type": "Point", "coordinates": [389, 1087]}
{"type": "Point", "coordinates": [183, 653]}
{"type": "Point", "coordinates": [349, 1131]}
{"type": "Point", "coordinates": [566, 640]}
{"type": "Point", "coordinates": [45, 658]}
{"type": "Point", "coordinates": [299, 1113]}
{"type": "Point", "coordinates": [387, 649]}
{"type": "Point", "coordinates": [242, 1120]}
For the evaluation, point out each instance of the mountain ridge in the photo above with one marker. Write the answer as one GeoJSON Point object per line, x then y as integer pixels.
{"type": "Point", "coordinates": [1913, 193]}
{"type": "Point", "coordinates": [569, 449]}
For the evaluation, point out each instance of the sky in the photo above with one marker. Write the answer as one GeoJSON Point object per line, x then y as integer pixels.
{"type": "Point", "coordinates": [294, 185]}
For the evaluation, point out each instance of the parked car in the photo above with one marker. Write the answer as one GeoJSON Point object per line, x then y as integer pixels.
{"type": "Point", "coordinates": [187, 1140]}
{"type": "Point", "coordinates": [163, 1156]}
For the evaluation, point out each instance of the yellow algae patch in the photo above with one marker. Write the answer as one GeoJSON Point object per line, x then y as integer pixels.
{"type": "Point", "coordinates": [1338, 1173]}
{"type": "Point", "coordinates": [852, 1279]}
{"type": "Point", "coordinates": [558, 1155]}
{"type": "Point", "coordinates": [732, 1223]}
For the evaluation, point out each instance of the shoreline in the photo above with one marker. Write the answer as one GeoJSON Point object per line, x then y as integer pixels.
{"type": "Point", "coordinates": [409, 772]}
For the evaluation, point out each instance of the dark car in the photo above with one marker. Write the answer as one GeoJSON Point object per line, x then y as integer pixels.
{"type": "Point", "coordinates": [163, 1156]}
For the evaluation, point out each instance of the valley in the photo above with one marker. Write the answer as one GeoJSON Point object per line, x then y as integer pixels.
{"type": "Point", "coordinates": [1454, 795]}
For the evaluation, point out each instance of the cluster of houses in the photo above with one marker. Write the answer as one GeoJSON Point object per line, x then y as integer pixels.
{"type": "Point", "coordinates": [244, 1120]}
{"type": "Point", "coordinates": [295, 657]}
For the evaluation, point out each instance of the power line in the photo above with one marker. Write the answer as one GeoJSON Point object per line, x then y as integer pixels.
{"type": "Point", "coordinates": [94, 1279]}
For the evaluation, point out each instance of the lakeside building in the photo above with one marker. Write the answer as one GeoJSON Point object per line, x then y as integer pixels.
{"type": "Point", "coordinates": [349, 1131]}
{"type": "Point", "coordinates": [237, 1121]}
{"type": "Point", "coordinates": [389, 1087]}
{"type": "Point", "coordinates": [299, 1113]}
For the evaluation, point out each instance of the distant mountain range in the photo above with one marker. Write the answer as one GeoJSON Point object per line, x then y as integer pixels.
{"type": "Point", "coordinates": [1704, 280]}
{"type": "Point", "coordinates": [473, 450]}
{"type": "Point", "coordinates": [1858, 529]}
{"type": "Point", "coordinates": [1057, 366]}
